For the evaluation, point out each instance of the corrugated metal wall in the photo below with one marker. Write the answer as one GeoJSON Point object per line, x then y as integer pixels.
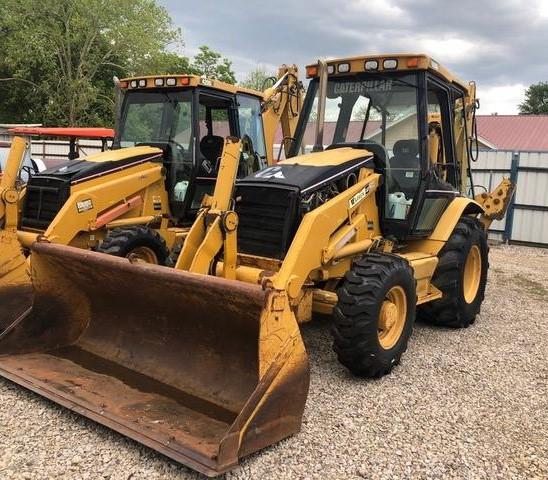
{"type": "Point", "coordinates": [527, 217]}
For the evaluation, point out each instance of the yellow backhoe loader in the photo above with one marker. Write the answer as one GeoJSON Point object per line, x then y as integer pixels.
{"type": "Point", "coordinates": [205, 362]}
{"type": "Point", "coordinates": [139, 199]}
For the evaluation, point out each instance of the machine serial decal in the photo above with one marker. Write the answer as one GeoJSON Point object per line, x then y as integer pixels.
{"type": "Point", "coordinates": [359, 196]}
{"type": "Point", "coordinates": [84, 205]}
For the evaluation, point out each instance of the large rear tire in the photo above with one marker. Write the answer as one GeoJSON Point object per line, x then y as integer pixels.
{"type": "Point", "coordinates": [139, 244]}
{"type": "Point", "coordinates": [374, 315]}
{"type": "Point", "coordinates": [461, 275]}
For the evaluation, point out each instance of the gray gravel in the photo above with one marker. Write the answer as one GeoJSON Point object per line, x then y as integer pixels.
{"type": "Point", "coordinates": [468, 404]}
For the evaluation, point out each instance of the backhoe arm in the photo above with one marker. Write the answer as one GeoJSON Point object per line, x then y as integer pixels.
{"type": "Point", "coordinates": [496, 202]}
{"type": "Point", "coordinates": [282, 105]}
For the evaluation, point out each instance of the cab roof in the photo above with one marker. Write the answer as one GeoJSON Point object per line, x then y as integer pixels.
{"type": "Point", "coordinates": [183, 81]}
{"type": "Point", "coordinates": [388, 63]}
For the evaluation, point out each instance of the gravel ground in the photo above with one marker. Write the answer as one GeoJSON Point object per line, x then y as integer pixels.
{"type": "Point", "coordinates": [468, 404]}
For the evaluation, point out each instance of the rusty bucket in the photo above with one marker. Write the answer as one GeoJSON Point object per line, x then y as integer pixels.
{"type": "Point", "coordinates": [196, 367]}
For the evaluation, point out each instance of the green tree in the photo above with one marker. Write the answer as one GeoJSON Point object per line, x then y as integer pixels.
{"type": "Point", "coordinates": [59, 56]}
{"type": "Point", "coordinates": [536, 100]}
{"type": "Point", "coordinates": [257, 79]}
{"type": "Point", "coordinates": [211, 64]}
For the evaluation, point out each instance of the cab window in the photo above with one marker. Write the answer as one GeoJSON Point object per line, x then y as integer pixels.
{"type": "Point", "coordinates": [213, 127]}
{"type": "Point", "coordinates": [379, 110]}
{"type": "Point", "coordinates": [251, 123]}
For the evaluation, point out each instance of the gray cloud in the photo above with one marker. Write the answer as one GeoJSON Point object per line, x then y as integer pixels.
{"type": "Point", "coordinates": [498, 43]}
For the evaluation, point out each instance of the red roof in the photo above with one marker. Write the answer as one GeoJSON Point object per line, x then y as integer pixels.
{"type": "Point", "coordinates": [502, 132]}
{"type": "Point", "coordinates": [515, 132]}
{"type": "Point", "coordinates": [64, 132]}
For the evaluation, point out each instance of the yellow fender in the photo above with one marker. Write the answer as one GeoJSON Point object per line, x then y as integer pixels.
{"type": "Point", "coordinates": [457, 208]}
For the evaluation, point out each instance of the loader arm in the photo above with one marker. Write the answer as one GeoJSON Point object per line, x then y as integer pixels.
{"type": "Point", "coordinates": [15, 288]}
{"type": "Point", "coordinates": [282, 105]}
{"type": "Point", "coordinates": [332, 232]}
{"type": "Point", "coordinates": [215, 227]}
{"type": "Point", "coordinates": [9, 195]}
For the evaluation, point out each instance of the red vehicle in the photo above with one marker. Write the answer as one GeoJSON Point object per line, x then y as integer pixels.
{"type": "Point", "coordinates": [73, 134]}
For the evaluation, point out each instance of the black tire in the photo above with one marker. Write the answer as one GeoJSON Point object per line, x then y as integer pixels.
{"type": "Point", "coordinates": [452, 310]}
{"type": "Point", "coordinates": [356, 315]}
{"type": "Point", "coordinates": [123, 242]}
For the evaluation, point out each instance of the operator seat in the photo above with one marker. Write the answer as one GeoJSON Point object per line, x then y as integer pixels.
{"type": "Point", "coordinates": [404, 167]}
{"type": "Point", "coordinates": [211, 147]}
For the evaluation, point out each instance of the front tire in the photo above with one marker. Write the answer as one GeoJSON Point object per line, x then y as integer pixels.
{"type": "Point", "coordinates": [138, 244]}
{"type": "Point", "coordinates": [461, 275]}
{"type": "Point", "coordinates": [374, 315]}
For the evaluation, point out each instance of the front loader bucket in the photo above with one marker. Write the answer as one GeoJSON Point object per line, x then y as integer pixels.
{"type": "Point", "coordinates": [201, 369]}
{"type": "Point", "coordinates": [15, 286]}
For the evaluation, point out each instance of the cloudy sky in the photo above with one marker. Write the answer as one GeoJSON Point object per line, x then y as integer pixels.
{"type": "Point", "coordinates": [502, 44]}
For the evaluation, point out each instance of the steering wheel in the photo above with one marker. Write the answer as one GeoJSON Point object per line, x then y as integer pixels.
{"type": "Point", "coordinates": [179, 146]}
{"type": "Point", "coordinates": [30, 170]}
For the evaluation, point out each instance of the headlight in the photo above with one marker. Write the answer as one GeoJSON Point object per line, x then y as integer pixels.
{"type": "Point", "coordinates": [343, 67]}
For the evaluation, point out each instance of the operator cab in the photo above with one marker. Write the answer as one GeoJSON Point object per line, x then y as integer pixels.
{"type": "Point", "coordinates": [406, 113]}
{"type": "Point", "coordinates": [190, 125]}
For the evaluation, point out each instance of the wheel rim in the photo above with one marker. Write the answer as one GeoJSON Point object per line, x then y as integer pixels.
{"type": "Point", "coordinates": [472, 274]}
{"type": "Point", "coordinates": [143, 255]}
{"type": "Point", "coordinates": [392, 317]}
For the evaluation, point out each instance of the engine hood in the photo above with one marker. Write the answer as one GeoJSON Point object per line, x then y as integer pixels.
{"type": "Point", "coordinates": [76, 170]}
{"type": "Point", "coordinates": [308, 171]}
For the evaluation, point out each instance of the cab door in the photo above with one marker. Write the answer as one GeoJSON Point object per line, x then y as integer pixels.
{"type": "Point", "coordinates": [442, 176]}
{"type": "Point", "coordinates": [215, 119]}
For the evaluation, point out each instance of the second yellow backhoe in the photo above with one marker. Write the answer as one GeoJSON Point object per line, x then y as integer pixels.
{"type": "Point", "coordinates": [139, 199]}
{"type": "Point", "coordinates": [205, 362]}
